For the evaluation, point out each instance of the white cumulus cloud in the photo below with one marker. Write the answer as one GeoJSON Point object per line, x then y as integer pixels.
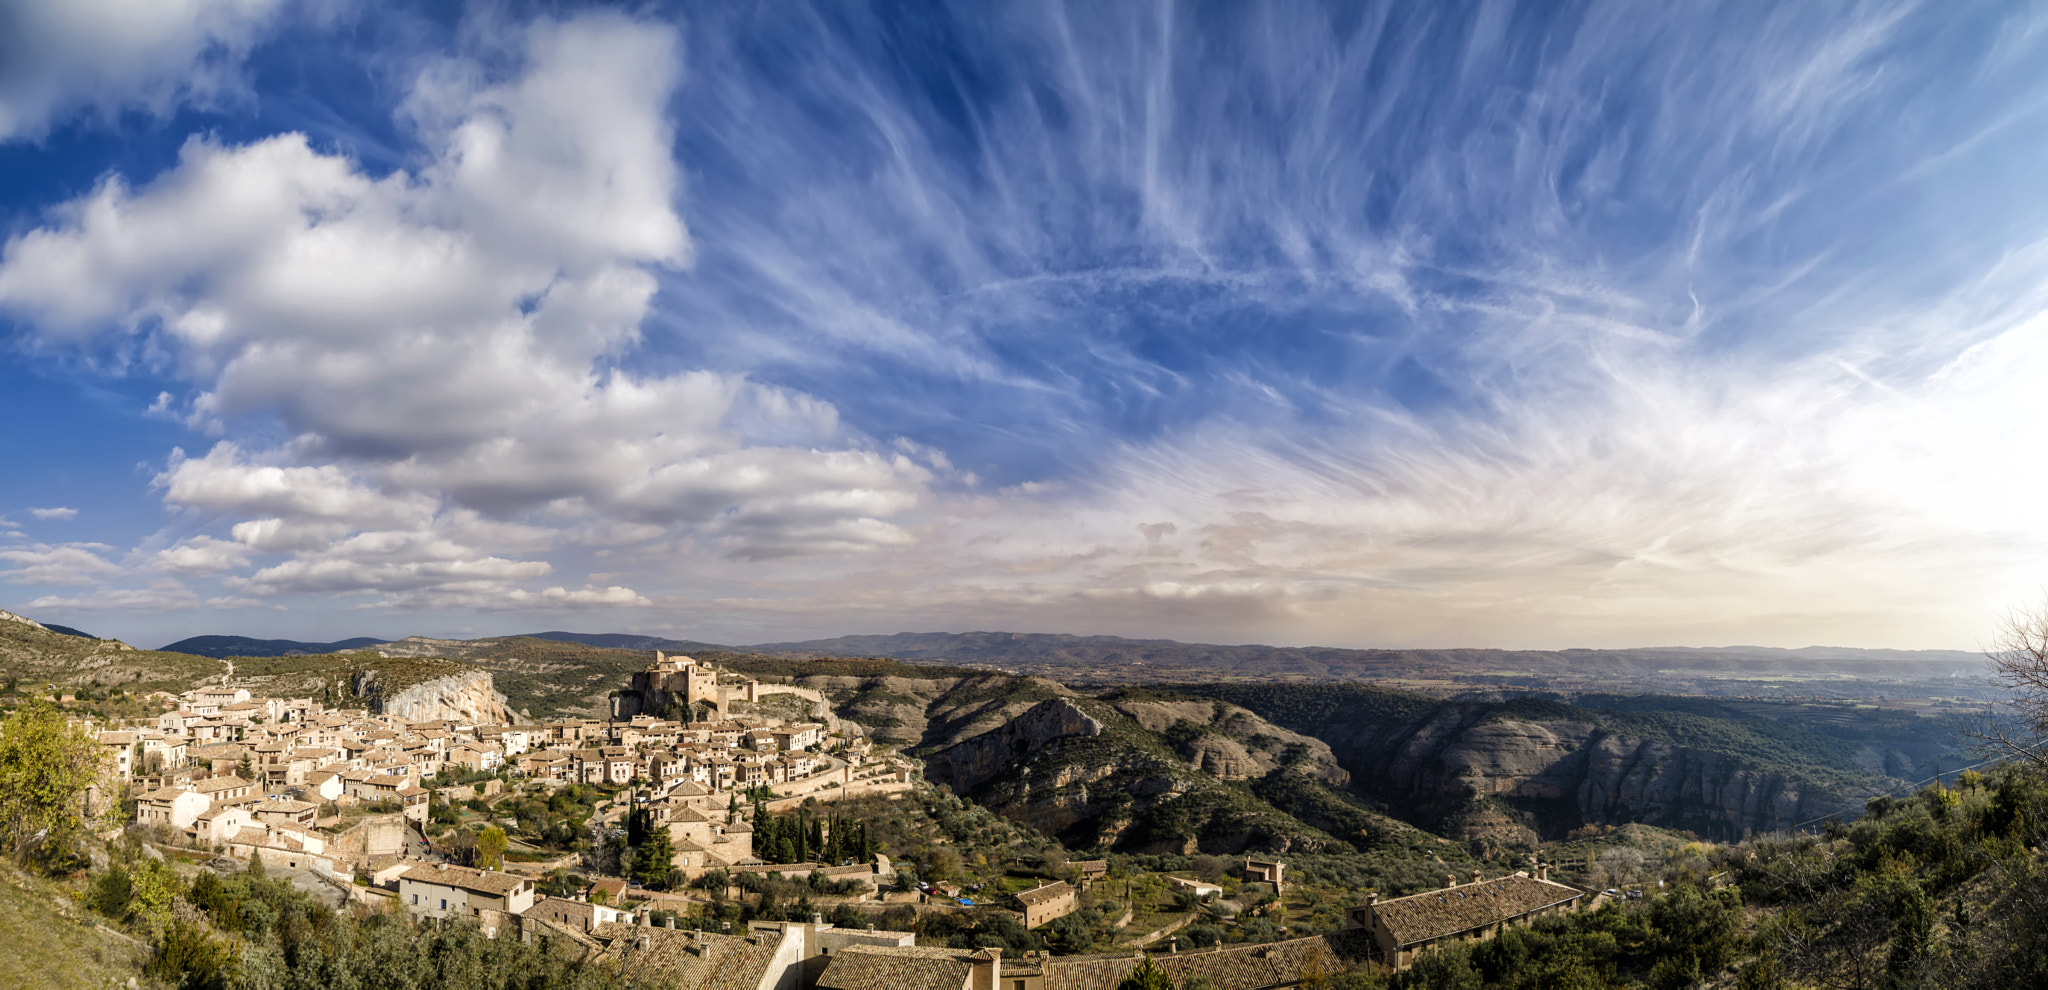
{"type": "Point", "coordinates": [439, 343]}
{"type": "Point", "coordinates": [107, 56]}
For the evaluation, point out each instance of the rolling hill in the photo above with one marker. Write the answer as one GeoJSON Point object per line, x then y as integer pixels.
{"type": "Point", "coordinates": [243, 646]}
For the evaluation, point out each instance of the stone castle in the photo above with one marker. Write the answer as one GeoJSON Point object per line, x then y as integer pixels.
{"type": "Point", "coordinates": [679, 680]}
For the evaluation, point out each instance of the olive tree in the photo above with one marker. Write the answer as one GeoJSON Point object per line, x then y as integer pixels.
{"type": "Point", "coordinates": [46, 766]}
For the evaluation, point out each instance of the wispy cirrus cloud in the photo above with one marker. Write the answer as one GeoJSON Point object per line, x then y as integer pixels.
{"type": "Point", "coordinates": [1587, 324]}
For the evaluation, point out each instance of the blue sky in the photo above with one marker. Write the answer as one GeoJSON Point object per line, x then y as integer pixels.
{"type": "Point", "coordinates": [1481, 324]}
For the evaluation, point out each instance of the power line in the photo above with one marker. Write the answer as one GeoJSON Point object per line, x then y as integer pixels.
{"type": "Point", "coordinates": [1938, 775]}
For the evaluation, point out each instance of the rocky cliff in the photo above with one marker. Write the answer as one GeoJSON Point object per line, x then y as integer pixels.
{"type": "Point", "coordinates": [931, 713]}
{"type": "Point", "coordinates": [1561, 774]}
{"type": "Point", "coordinates": [1146, 774]}
{"type": "Point", "coordinates": [1524, 770]}
{"type": "Point", "coordinates": [1015, 743]}
{"type": "Point", "coordinates": [467, 697]}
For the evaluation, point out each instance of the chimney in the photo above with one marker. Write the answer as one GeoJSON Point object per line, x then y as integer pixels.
{"type": "Point", "coordinates": [646, 921]}
{"type": "Point", "coordinates": [646, 943]}
{"type": "Point", "coordinates": [1475, 876]}
{"type": "Point", "coordinates": [1543, 871]}
{"type": "Point", "coordinates": [1450, 880]}
{"type": "Point", "coordinates": [1372, 897]}
{"type": "Point", "coordinates": [1172, 944]}
{"type": "Point", "coordinates": [988, 969]}
{"type": "Point", "coordinates": [671, 922]}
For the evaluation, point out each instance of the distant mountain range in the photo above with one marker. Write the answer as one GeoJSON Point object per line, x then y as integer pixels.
{"type": "Point", "coordinates": [1727, 670]}
{"type": "Point", "coordinates": [628, 641]}
{"type": "Point", "coordinates": [243, 646]}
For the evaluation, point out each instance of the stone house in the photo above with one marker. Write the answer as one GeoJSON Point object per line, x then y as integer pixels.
{"type": "Point", "coordinates": [1264, 871]}
{"type": "Point", "coordinates": [228, 788]}
{"type": "Point", "coordinates": [911, 967]}
{"type": "Point", "coordinates": [326, 786]}
{"type": "Point", "coordinates": [285, 812]}
{"type": "Point", "coordinates": [1402, 928]}
{"type": "Point", "coordinates": [761, 959]}
{"type": "Point", "coordinates": [576, 913]}
{"type": "Point", "coordinates": [444, 891]}
{"type": "Point", "coordinates": [1248, 966]}
{"type": "Point", "coordinates": [1048, 902]}
{"type": "Point", "coordinates": [219, 823]}
{"type": "Point", "coordinates": [176, 807]}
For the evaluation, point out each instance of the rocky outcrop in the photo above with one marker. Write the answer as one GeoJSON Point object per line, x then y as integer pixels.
{"type": "Point", "coordinates": [466, 697]}
{"type": "Point", "coordinates": [6, 616]}
{"type": "Point", "coordinates": [1230, 743]}
{"type": "Point", "coordinates": [931, 713]}
{"type": "Point", "coordinates": [1144, 774]}
{"type": "Point", "coordinates": [1463, 770]}
{"type": "Point", "coordinates": [970, 764]}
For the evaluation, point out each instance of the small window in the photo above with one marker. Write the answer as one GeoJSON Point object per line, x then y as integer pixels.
{"type": "Point", "coordinates": [444, 903]}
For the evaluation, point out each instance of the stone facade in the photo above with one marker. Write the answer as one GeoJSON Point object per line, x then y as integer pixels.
{"type": "Point", "coordinates": [678, 680]}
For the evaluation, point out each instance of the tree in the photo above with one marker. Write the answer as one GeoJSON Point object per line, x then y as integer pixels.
{"type": "Point", "coordinates": [1147, 976]}
{"type": "Point", "coordinates": [1072, 935]}
{"type": "Point", "coordinates": [654, 858]}
{"type": "Point", "coordinates": [1617, 866]}
{"type": "Point", "coordinates": [46, 767]}
{"type": "Point", "coordinates": [2019, 665]}
{"type": "Point", "coordinates": [490, 848]}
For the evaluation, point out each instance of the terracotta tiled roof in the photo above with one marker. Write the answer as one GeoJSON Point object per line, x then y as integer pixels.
{"type": "Point", "coordinates": [1045, 893]}
{"type": "Point", "coordinates": [690, 960]}
{"type": "Point", "coordinates": [910, 967]}
{"type": "Point", "coordinates": [1437, 913]}
{"type": "Point", "coordinates": [481, 881]}
{"type": "Point", "coordinates": [1237, 967]}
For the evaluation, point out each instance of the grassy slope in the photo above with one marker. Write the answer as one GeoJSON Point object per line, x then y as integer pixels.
{"type": "Point", "coordinates": [36, 657]}
{"type": "Point", "coordinates": [48, 940]}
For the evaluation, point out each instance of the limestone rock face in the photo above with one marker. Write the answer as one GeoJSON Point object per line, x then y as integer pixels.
{"type": "Point", "coordinates": [465, 697]}
{"type": "Point", "coordinates": [1566, 773]}
{"type": "Point", "coordinates": [971, 763]}
{"type": "Point", "coordinates": [1143, 774]}
{"type": "Point", "coordinates": [1230, 743]}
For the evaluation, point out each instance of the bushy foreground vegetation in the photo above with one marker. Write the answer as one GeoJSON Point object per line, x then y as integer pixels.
{"type": "Point", "coordinates": [1947, 888]}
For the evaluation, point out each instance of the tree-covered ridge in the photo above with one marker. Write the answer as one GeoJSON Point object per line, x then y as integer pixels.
{"type": "Point", "coordinates": [1823, 753]}
{"type": "Point", "coordinates": [1947, 888]}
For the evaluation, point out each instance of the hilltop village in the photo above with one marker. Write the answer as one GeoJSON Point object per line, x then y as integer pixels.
{"type": "Point", "coordinates": [337, 789]}
{"type": "Point", "coordinates": [459, 820]}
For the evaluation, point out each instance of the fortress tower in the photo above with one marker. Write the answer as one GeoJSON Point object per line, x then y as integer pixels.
{"type": "Point", "coordinates": [678, 680]}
